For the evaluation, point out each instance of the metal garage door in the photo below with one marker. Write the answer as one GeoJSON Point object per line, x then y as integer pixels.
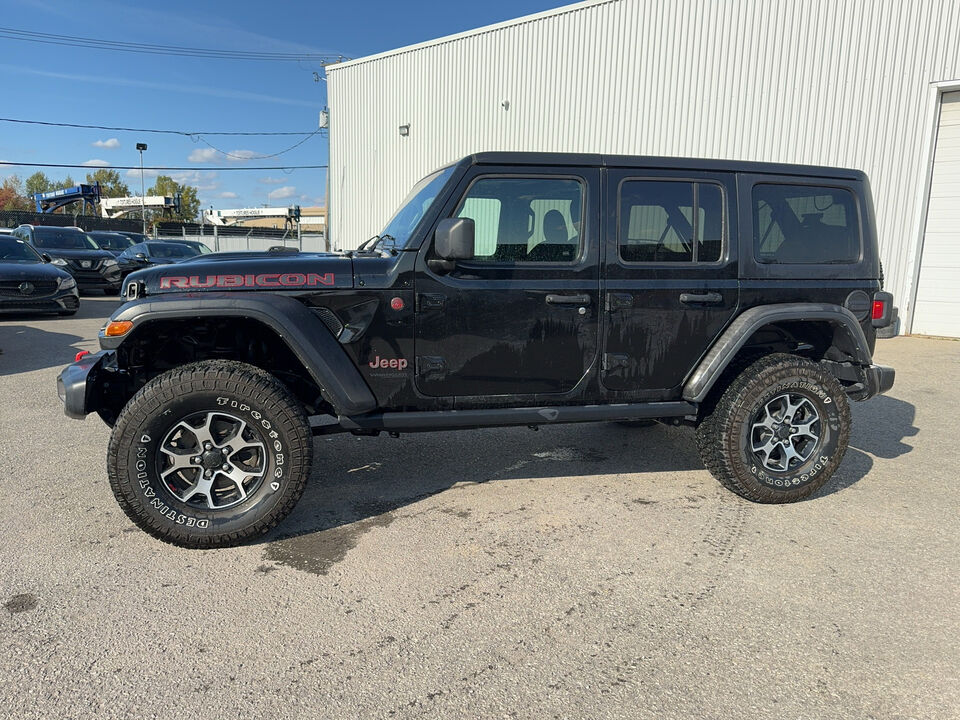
{"type": "Point", "coordinates": [938, 290]}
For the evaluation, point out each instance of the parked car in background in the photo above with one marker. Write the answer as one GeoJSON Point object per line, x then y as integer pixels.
{"type": "Point", "coordinates": [200, 247]}
{"type": "Point", "coordinates": [147, 254]}
{"type": "Point", "coordinates": [70, 249]}
{"type": "Point", "coordinates": [28, 282]}
{"type": "Point", "coordinates": [113, 242]}
{"type": "Point", "coordinates": [135, 236]}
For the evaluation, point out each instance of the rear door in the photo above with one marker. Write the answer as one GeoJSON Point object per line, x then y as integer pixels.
{"type": "Point", "coordinates": [670, 276]}
{"type": "Point", "coordinates": [521, 318]}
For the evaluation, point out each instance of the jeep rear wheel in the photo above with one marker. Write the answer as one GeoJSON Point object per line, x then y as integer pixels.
{"type": "Point", "coordinates": [778, 431]}
{"type": "Point", "coordinates": [210, 454]}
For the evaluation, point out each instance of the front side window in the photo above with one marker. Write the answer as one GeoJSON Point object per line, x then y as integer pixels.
{"type": "Point", "coordinates": [670, 221]}
{"type": "Point", "coordinates": [525, 219]}
{"type": "Point", "coordinates": [805, 224]}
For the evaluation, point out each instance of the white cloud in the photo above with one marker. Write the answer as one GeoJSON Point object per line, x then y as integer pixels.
{"type": "Point", "coordinates": [111, 144]}
{"type": "Point", "coordinates": [271, 181]}
{"type": "Point", "coordinates": [203, 155]}
{"type": "Point", "coordinates": [287, 191]}
{"type": "Point", "coordinates": [96, 162]}
{"type": "Point", "coordinates": [209, 155]}
{"type": "Point", "coordinates": [202, 180]}
{"type": "Point", "coordinates": [242, 155]}
{"type": "Point", "coordinates": [135, 174]}
{"type": "Point", "coordinates": [228, 195]}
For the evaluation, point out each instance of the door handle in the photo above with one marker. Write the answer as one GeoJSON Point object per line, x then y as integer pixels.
{"type": "Point", "coordinates": [568, 299]}
{"type": "Point", "coordinates": [710, 298]}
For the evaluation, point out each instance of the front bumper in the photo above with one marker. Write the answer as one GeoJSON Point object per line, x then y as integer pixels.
{"type": "Point", "coordinates": [62, 301]}
{"type": "Point", "coordinates": [78, 386]}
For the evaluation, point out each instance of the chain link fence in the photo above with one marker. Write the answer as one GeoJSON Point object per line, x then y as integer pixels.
{"type": "Point", "coordinates": [234, 239]}
{"type": "Point", "coordinates": [15, 218]}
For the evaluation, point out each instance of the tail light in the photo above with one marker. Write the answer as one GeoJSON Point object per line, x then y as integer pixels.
{"type": "Point", "coordinates": [881, 312]}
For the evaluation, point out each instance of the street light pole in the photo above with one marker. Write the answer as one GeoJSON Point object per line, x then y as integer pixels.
{"type": "Point", "coordinates": [143, 210]}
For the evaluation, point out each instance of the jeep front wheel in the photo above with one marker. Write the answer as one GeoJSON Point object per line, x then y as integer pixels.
{"type": "Point", "coordinates": [210, 454]}
{"type": "Point", "coordinates": [778, 431]}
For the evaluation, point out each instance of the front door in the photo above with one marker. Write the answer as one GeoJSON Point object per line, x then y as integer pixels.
{"type": "Point", "coordinates": [521, 317]}
{"type": "Point", "coordinates": [670, 277]}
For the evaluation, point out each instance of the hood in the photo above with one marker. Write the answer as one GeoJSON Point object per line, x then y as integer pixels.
{"type": "Point", "coordinates": [75, 254]}
{"type": "Point", "coordinates": [253, 271]}
{"type": "Point", "coordinates": [31, 271]}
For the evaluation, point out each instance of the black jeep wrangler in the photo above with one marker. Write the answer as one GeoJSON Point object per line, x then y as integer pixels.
{"type": "Point", "coordinates": [509, 289]}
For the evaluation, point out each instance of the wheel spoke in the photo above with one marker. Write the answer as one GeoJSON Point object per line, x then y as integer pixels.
{"type": "Point", "coordinates": [790, 453]}
{"type": "Point", "coordinates": [805, 429]}
{"type": "Point", "coordinates": [181, 461]}
{"type": "Point", "coordinates": [202, 487]}
{"type": "Point", "coordinates": [237, 476]}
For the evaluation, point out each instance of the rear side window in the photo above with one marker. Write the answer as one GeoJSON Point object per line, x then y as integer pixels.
{"type": "Point", "coordinates": [805, 224]}
{"type": "Point", "coordinates": [670, 221]}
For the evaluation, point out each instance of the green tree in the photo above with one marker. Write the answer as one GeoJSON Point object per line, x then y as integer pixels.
{"type": "Point", "coordinates": [189, 201]}
{"type": "Point", "coordinates": [38, 183]}
{"type": "Point", "coordinates": [111, 185]}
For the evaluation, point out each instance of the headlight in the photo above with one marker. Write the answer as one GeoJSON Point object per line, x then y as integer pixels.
{"type": "Point", "coordinates": [67, 283]}
{"type": "Point", "coordinates": [59, 262]}
{"type": "Point", "coordinates": [109, 263]}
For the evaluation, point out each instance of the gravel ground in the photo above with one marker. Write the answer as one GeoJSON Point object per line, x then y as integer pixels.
{"type": "Point", "coordinates": [580, 571]}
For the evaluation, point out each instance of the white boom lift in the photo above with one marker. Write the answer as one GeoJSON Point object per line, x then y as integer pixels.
{"type": "Point", "coordinates": [290, 215]}
{"type": "Point", "coordinates": [115, 207]}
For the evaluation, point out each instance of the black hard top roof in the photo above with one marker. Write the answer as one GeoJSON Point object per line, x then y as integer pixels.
{"type": "Point", "coordinates": [658, 163]}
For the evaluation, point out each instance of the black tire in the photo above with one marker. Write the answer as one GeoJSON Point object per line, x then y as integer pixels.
{"type": "Point", "coordinates": [728, 435]}
{"type": "Point", "coordinates": [169, 412]}
{"type": "Point", "coordinates": [113, 292]}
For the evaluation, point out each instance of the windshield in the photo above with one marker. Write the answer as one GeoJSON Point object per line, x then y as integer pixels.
{"type": "Point", "coordinates": [172, 250]}
{"type": "Point", "coordinates": [111, 241]}
{"type": "Point", "coordinates": [17, 251]}
{"type": "Point", "coordinates": [62, 239]}
{"type": "Point", "coordinates": [415, 207]}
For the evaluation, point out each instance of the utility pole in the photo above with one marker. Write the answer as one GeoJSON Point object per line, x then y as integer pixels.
{"type": "Point", "coordinates": [143, 210]}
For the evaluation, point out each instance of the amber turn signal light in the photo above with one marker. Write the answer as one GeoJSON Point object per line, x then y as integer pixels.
{"type": "Point", "coordinates": [117, 328]}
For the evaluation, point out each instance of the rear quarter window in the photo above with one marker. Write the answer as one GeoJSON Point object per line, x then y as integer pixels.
{"type": "Point", "coordinates": [805, 224]}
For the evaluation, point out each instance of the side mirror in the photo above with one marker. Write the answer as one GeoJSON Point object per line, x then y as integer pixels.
{"type": "Point", "coordinates": [46, 258]}
{"type": "Point", "coordinates": [141, 256]}
{"type": "Point", "coordinates": [454, 239]}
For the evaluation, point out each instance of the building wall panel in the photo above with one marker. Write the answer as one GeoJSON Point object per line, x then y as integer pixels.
{"type": "Point", "coordinates": [835, 82]}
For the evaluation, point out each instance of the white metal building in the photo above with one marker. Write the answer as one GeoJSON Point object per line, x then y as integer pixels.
{"type": "Point", "coordinates": [854, 83]}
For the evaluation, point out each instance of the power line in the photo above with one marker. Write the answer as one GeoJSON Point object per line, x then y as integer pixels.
{"type": "Point", "coordinates": [184, 133]}
{"type": "Point", "coordinates": [152, 49]}
{"type": "Point", "coordinates": [94, 168]}
{"type": "Point", "coordinates": [258, 157]}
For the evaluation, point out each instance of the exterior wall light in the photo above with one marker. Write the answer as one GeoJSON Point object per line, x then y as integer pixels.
{"type": "Point", "coordinates": [404, 130]}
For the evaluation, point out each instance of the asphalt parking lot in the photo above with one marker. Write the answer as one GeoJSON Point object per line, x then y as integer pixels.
{"type": "Point", "coordinates": [580, 571]}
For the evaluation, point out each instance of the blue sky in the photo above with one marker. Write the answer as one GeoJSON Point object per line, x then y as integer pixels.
{"type": "Point", "coordinates": [102, 87]}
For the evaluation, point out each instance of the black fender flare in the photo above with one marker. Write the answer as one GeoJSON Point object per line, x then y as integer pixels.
{"type": "Point", "coordinates": [846, 329]}
{"type": "Point", "coordinates": [303, 332]}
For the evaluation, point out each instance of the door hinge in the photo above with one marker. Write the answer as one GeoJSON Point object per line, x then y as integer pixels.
{"type": "Point", "coordinates": [614, 361]}
{"type": "Point", "coordinates": [430, 365]}
{"type": "Point", "coordinates": [619, 301]}
{"type": "Point", "coordinates": [430, 301]}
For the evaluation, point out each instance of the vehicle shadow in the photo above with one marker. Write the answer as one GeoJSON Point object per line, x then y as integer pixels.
{"type": "Point", "coordinates": [360, 483]}
{"type": "Point", "coordinates": [24, 348]}
{"type": "Point", "coordinates": [33, 342]}
{"type": "Point", "coordinates": [880, 427]}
